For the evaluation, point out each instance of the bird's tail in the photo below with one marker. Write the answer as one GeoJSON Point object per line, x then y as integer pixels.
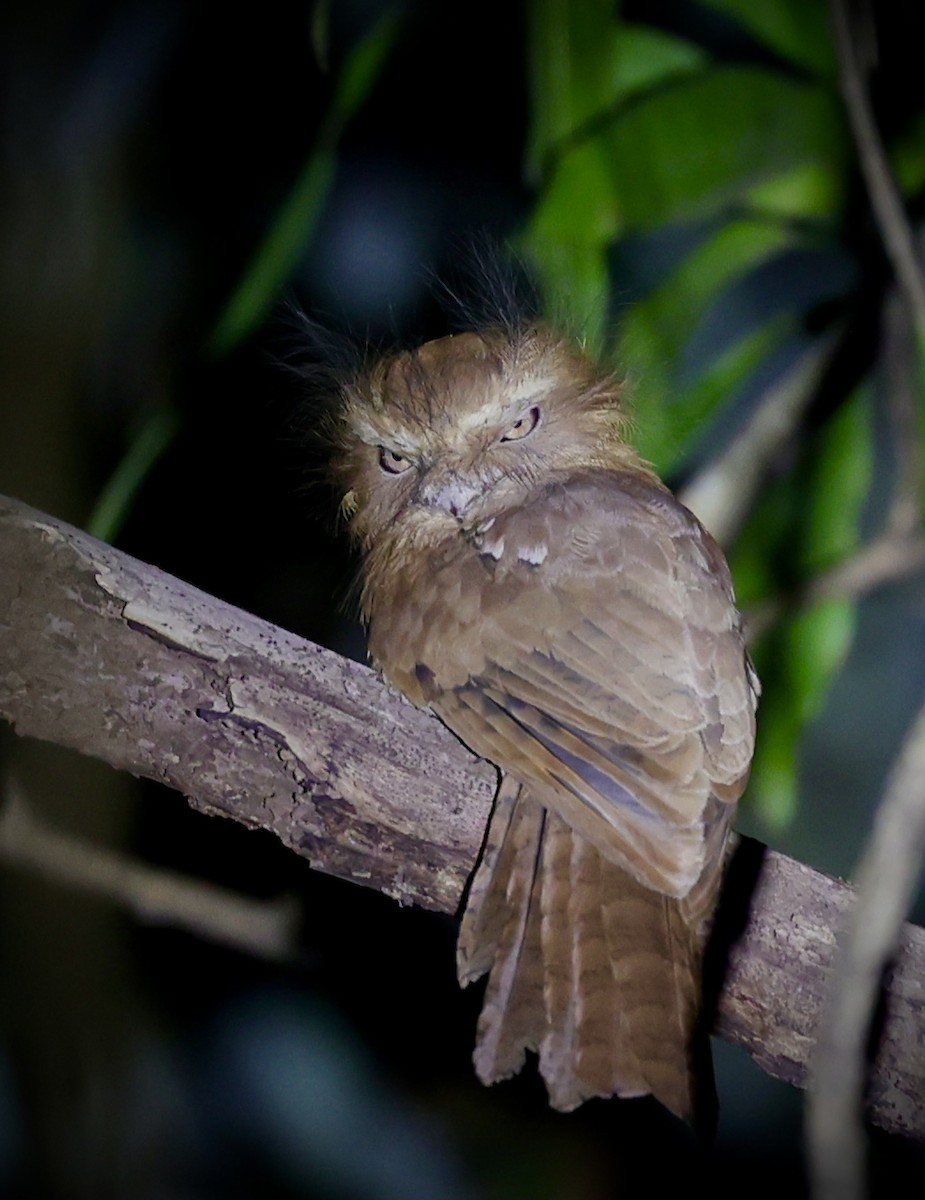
{"type": "Point", "coordinates": [597, 974]}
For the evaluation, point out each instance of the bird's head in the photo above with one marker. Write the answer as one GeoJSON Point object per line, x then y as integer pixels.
{"type": "Point", "coordinates": [433, 442]}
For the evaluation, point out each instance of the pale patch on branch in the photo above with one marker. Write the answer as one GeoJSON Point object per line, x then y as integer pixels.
{"type": "Point", "coordinates": [105, 654]}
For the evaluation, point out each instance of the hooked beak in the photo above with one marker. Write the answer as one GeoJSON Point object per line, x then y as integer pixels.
{"type": "Point", "coordinates": [450, 492]}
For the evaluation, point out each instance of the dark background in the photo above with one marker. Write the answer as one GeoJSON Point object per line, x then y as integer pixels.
{"type": "Point", "coordinates": [146, 146]}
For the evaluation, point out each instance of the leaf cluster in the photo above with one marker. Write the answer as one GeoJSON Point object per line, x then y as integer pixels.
{"type": "Point", "coordinates": [700, 218]}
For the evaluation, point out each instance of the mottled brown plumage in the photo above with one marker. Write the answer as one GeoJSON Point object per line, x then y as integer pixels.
{"type": "Point", "coordinates": [531, 580]}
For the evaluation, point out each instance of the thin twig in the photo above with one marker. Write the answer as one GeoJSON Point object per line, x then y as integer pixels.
{"type": "Point", "coordinates": [886, 882]}
{"type": "Point", "coordinates": [900, 359]}
{"type": "Point", "coordinates": [723, 493]}
{"type": "Point", "coordinates": [886, 559]}
{"type": "Point", "coordinates": [265, 928]}
{"type": "Point", "coordinates": [885, 196]}
{"type": "Point", "coordinates": [892, 859]}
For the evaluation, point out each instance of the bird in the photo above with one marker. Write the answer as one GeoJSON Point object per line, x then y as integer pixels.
{"type": "Point", "coordinates": [531, 580]}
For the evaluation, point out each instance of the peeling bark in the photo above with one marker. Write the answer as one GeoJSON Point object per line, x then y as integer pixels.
{"type": "Point", "coordinates": [112, 657]}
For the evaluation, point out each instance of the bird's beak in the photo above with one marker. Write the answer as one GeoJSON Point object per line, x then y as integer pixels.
{"type": "Point", "coordinates": [449, 491]}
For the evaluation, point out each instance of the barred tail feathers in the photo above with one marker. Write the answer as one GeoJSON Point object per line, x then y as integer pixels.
{"type": "Point", "coordinates": [596, 973]}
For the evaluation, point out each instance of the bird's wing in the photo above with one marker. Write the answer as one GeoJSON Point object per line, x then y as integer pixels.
{"type": "Point", "coordinates": [596, 655]}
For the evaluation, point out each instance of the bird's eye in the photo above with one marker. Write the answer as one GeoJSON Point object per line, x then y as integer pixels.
{"type": "Point", "coordinates": [393, 462]}
{"type": "Point", "coordinates": [523, 426]}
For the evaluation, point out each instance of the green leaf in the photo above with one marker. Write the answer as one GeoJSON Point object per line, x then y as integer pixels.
{"type": "Point", "coordinates": [114, 502]}
{"type": "Point", "coordinates": [287, 238]}
{"type": "Point", "coordinates": [690, 150]}
{"type": "Point", "coordinates": [567, 241]}
{"type": "Point", "coordinates": [795, 29]}
{"type": "Point", "coordinates": [320, 31]}
{"type": "Point", "coordinates": [807, 191]}
{"type": "Point", "coordinates": [575, 285]}
{"type": "Point", "coordinates": [570, 63]}
{"type": "Point", "coordinates": [673, 310]}
{"type": "Point", "coordinates": [816, 525]}
{"type": "Point", "coordinates": [688, 412]}
{"type": "Point", "coordinates": [275, 259]}
{"type": "Point", "coordinates": [654, 331]}
{"type": "Point", "coordinates": [583, 60]}
{"type": "Point", "coordinates": [772, 788]}
{"type": "Point", "coordinates": [819, 640]}
{"type": "Point", "coordinates": [755, 558]}
{"type": "Point", "coordinates": [907, 155]}
{"type": "Point", "coordinates": [645, 58]}
{"type": "Point", "coordinates": [580, 202]}
{"type": "Point", "coordinates": [810, 650]}
{"type": "Point", "coordinates": [841, 480]}
{"type": "Point", "coordinates": [699, 145]}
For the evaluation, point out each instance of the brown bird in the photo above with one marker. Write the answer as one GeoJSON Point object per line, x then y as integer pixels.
{"type": "Point", "coordinates": [529, 578]}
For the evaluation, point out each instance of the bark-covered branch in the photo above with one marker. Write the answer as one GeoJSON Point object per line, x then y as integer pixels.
{"type": "Point", "coordinates": [110, 656]}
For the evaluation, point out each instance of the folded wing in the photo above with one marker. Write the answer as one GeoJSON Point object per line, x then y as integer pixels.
{"type": "Point", "coordinates": [611, 677]}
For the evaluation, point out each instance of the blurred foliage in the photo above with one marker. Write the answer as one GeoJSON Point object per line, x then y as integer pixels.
{"type": "Point", "coordinates": [691, 205]}
{"type": "Point", "coordinates": [272, 264]}
{"type": "Point", "coordinates": [115, 500]}
{"type": "Point", "coordinates": [287, 237]}
{"type": "Point", "coordinates": [809, 518]}
{"type": "Point", "coordinates": [696, 220]}
{"type": "Point", "coordinates": [693, 225]}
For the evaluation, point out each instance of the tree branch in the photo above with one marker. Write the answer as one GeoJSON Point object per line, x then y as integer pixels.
{"type": "Point", "coordinates": [885, 197]}
{"type": "Point", "coordinates": [722, 494]}
{"type": "Point", "coordinates": [888, 873]}
{"type": "Point", "coordinates": [114, 658]}
{"type": "Point", "coordinates": [265, 928]}
{"type": "Point", "coordinates": [885, 559]}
